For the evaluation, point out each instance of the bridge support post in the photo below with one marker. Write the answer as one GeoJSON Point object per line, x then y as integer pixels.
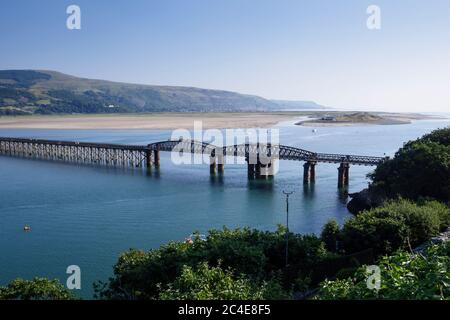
{"type": "Point", "coordinates": [269, 169]}
{"type": "Point", "coordinates": [258, 170]}
{"type": "Point", "coordinates": [251, 171]}
{"type": "Point", "coordinates": [156, 156]}
{"type": "Point", "coordinates": [309, 172]}
{"type": "Point", "coordinates": [343, 174]}
{"type": "Point", "coordinates": [251, 168]}
{"type": "Point", "coordinates": [212, 165]}
{"type": "Point", "coordinates": [148, 159]}
{"type": "Point", "coordinates": [220, 164]}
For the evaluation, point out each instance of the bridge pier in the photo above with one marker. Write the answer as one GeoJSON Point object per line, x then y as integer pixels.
{"type": "Point", "coordinates": [261, 170]}
{"type": "Point", "coordinates": [212, 165]}
{"type": "Point", "coordinates": [220, 164]}
{"type": "Point", "coordinates": [258, 170]}
{"type": "Point", "coordinates": [269, 169]}
{"type": "Point", "coordinates": [343, 174]}
{"type": "Point", "coordinates": [148, 159]}
{"type": "Point", "coordinates": [251, 170]}
{"type": "Point", "coordinates": [156, 158]}
{"type": "Point", "coordinates": [309, 172]}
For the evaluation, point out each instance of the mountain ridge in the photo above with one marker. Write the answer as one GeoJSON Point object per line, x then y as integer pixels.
{"type": "Point", "coordinates": [53, 92]}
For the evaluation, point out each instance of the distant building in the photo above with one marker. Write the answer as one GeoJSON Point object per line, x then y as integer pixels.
{"type": "Point", "coordinates": [328, 118]}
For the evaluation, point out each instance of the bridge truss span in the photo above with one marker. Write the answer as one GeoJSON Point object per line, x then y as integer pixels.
{"type": "Point", "coordinates": [78, 152]}
{"type": "Point", "coordinates": [260, 157]}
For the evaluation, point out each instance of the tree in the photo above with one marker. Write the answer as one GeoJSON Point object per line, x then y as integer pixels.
{"type": "Point", "coordinates": [421, 169]}
{"type": "Point", "coordinates": [330, 235]}
{"type": "Point", "coordinates": [36, 289]}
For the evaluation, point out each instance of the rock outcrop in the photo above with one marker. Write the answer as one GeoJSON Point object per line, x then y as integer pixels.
{"type": "Point", "coordinates": [364, 200]}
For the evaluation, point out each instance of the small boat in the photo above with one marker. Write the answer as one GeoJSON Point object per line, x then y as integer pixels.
{"type": "Point", "coordinates": [26, 228]}
{"type": "Point", "coordinates": [314, 130]}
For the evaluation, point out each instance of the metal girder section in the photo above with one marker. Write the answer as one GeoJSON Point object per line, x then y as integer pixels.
{"type": "Point", "coordinates": [136, 155]}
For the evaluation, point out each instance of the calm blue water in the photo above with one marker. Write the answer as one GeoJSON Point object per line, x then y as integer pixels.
{"type": "Point", "coordinates": [87, 215]}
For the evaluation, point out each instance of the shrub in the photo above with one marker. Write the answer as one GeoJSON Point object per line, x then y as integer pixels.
{"type": "Point", "coordinates": [36, 289]}
{"type": "Point", "coordinates": [403, 276]}
{"type": "Point", "coordinates": [331, 233]}
{"type": "Point", "coordinates": [206, 283]}
{"type": "Point", "coordinates": [257, 255]}
{"type": "Point", "coordinates": [397, 224]}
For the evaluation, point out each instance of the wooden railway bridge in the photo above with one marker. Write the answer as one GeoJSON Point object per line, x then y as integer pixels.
{"type": "Point", "coordinates": [261, 158]}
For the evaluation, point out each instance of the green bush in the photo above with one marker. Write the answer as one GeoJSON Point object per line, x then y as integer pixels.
{"type": "Point", "coordinates": [420, 169]}
{"type": "Point", "coordinates": [207, 283]}
{"type": "Point", "coordinates": [257, 255]}
{"type": "Point", "coordinates": [403, 276]}
{"type": "Point", "coordinates": [331, 233]}
{"type": "Point", "coordinates": [398, 224]}
{"type": "Point", "coordinates": [443, 211]}
{"type": "Point", "coordinates": [36, 289]}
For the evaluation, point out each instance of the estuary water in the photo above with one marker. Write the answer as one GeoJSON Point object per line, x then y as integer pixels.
{"type": "Point", "coordinates": [87, 215]}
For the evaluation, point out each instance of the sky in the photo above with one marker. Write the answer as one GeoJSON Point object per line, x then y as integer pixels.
{"type": "Point", "coordinates": [318, 50]}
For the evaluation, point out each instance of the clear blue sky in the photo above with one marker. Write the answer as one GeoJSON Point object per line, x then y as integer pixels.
{"type": "Point", "coordinates": [286, 49]}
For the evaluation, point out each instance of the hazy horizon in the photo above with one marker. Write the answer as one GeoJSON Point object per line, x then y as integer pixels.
{"type": "Point", "coordinates": [285, 50]}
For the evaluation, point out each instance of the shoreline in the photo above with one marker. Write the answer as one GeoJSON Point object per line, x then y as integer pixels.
{"type": "Point", "coordinates": [171, 121]}
{"type": "Point", "coordinates": [163, 121]}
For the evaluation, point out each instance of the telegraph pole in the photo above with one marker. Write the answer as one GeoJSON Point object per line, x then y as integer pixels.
{"type": "Point", "coordinates": [287, 194]}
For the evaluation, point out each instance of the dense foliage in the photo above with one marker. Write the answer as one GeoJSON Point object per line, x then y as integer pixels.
{"type": "Point", "coordinates": [420, 169]}
{"type": "Point", "coordinates": [206, 283]}
{"type": "Point", "coordinates": [257, 255]}
{"type": "Point", "coordinates": [36, 289]}
{"type": "Point", "coordinates": [403, 276]}
{"type": "Point", "coordinates": [331, 235]}
{"type": "Point", "coordinates": [397, 224]}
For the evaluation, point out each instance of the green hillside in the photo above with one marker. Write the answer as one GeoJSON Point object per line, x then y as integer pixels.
{"type": "Point", "coordinates": [50, 92]}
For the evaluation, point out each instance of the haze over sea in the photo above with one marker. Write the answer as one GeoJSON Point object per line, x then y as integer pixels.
{"type": "Point", "coordinates": [88, 215]}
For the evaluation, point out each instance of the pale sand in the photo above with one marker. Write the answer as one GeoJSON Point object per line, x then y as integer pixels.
{"type": "Point", "coordinates": [147, 121]}
{"type": "Point", "coordinates": [312, 123]}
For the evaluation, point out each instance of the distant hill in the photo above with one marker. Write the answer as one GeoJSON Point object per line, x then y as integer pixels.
{"type": "Point", "coordinates": [288, 104]}
{"type": "Point", "coordinates": [50, 92]}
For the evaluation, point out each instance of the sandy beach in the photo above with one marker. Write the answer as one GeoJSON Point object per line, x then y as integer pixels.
{"type": "Point", "coordinates": [167, 121]}
{"type": "Point", "coordinates": [171, 121]}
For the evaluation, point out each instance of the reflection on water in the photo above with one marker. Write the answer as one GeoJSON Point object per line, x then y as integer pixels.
{"type": "Point", "coordinates": [217, 179]}
{"type": "Point", "coordinates": [342, 194]}
{"type": "Point", "coordinates": [153, 172]}
{"type": "Point", "coordinates": [308, 190]}
{"type": "Point", "coordinates": [263, 184]}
